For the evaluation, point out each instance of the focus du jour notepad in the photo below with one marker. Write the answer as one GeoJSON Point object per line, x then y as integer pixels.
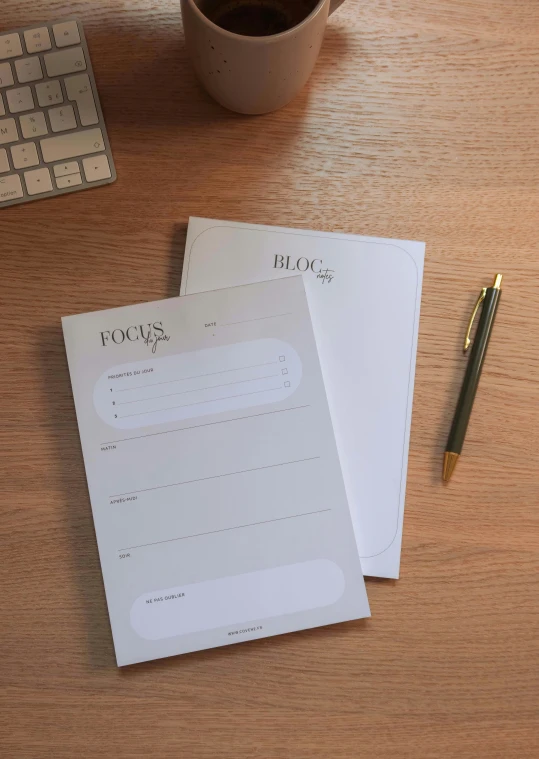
{"type": "Point", "coordinates": [365, 295]}
{"type": "Point", "coordinates": [216, 488]}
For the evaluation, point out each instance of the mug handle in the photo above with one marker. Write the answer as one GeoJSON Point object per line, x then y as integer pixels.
{"type": "Point", "coordinates": [334, 4]}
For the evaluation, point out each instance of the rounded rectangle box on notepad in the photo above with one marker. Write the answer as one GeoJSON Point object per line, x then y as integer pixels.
{"type": "Point", "coordinates": [197, 383]}
{"type": "Point", "coordinates": [237, 600]}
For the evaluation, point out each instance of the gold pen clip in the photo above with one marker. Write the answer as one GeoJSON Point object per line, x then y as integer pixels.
{"type": "Point", "coordinates": [467, 341]}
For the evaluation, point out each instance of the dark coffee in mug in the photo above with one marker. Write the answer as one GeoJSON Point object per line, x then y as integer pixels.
{"type": "Point", "coordinates": [257, 18]}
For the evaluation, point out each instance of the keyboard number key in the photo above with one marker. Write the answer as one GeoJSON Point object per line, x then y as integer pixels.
{"type": "Point", "coordinates": [96, 168]}
{"type": "Point", "coordinates": [49, 93]}
{"type": "Point", "coordinates": [33, 125]}
{"type": "Point", "coordinates": [28, 69]}
{"type": "Point", "coordinates": [37, 40]}
{"type": "Point", "coordinates": [66, 34]}
{"type": "Point", "coordinates": [4, 163]}
{"type": "Point", "coordinates": [20, 100]}
{"type": "Point", "coordinates": [8, 131]}
{"type": "Point", "coordinates": [6, 75]}
{"type": "Point", "coordinates": [10, 188]}
{"type": "Point", "coordinates": [10, 46]}
{"type": "Point", "coordinates": [24, 156]}
{"type": "Point", "coordinates": [62, 118]}
{"type": "Point", "coordinates": [38, 181]}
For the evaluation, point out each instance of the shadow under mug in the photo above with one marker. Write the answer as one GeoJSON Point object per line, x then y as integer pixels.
{"type": "Point", "coordinates": [254, 74]}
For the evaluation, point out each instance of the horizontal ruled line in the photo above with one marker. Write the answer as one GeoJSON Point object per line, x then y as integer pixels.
{"type": "Point", "coordinates": [198, 403]}
{"type": "Point", "coordinates": [207, 424]}
{"type": "Point", "coordinates": [196, 390]}
{"type": "Point", "coordinates": [224, 529]}
{"type": "Point", "coordinates": [196, 376]}
{"type": "Point", "coordinates": [214, 477]}
{"type": "Point", "coordinates": [258, 319]}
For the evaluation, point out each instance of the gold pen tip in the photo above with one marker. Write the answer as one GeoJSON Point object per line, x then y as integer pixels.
{"type": "Point", "coordinates": [450, 462]}
{"type": "Point", "coordinates": [497, 284]}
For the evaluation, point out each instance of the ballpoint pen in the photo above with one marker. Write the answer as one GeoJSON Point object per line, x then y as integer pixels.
{"type": "Point", "coordinates": [489, 299]}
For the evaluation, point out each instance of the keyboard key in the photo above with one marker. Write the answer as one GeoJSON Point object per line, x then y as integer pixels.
{"type": "Point", "coordinates": [79, 89]}
{"type": "Point", "coordinates": [49, 93]}
{"type": "Point", "coordinates": [8, 131]}
{"type": "Point", "coordinates": [96, 168]}
{"type": "Point", "coordinates": [10, 46]}
{"type": "Point", "coordinates": [28, 70]}
{"type": "Point", "coordinates": [65, 61]}
{"type": "Point", "coordinates": [10, 188]}
{"type": "Point", "coordinates": [4, 163]}
{"type": "Point", "coordinates": [37, 40]}
{"type": "Point", "coordinates": [66, 34]}
{"type": "Point", "coordinates": [62, 118]}
{"type": "Point", "coordinates": [38, 181]}
{"type": "Point", "coordinates": [72, 145]}
{"type": "Point", "coordinates": [63, 169]}
{"type": "Point", "coordinates": [2, 106]}
{"type": "Point", "coordinates": [33, 125]}
{"type": "Point", "coordinates": [20, 100]}
{"type": "Point", "coordinates": [24, 156]}
{"type": "Point", "coordinates": [6, 75]}
{"type": "Point", "coordinates": [71, 181]}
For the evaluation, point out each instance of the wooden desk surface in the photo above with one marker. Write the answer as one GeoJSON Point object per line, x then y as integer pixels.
{"type": "Point", "coordinates": [421, 121]}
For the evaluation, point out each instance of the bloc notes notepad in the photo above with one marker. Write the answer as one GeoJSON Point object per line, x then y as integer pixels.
{"type": "Point", "coordinates": [217, 493]}
{"type": "Point", "coordinates": [365, 295]}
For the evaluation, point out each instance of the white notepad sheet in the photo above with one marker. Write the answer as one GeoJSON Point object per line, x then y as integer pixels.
{"type": "Point", "coordinates": [365, 295]}
{"type": "Point", "coordinates": [217, 493]}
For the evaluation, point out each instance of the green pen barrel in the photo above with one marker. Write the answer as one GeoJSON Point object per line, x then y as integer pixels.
{"type": "Point", "coordinates": [473, 371]}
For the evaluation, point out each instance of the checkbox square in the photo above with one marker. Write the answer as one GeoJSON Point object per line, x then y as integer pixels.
{"type": "Point", "coordinates": [284, 371]}
{"type": "Point", "coordinates": [287, 384]}
{"type": "Point", "coordinates": [282, 358]}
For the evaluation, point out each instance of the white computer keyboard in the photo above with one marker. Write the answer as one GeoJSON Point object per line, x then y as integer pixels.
{"type": "Point", "coordinates": [53, 138]}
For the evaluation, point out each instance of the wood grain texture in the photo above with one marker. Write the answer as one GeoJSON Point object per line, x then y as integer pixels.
{"type": "Point", "coordinates": [420, 121]}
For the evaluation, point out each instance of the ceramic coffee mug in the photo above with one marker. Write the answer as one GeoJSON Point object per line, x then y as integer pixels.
{"type": "Point", "coordinates": [254, 74]}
